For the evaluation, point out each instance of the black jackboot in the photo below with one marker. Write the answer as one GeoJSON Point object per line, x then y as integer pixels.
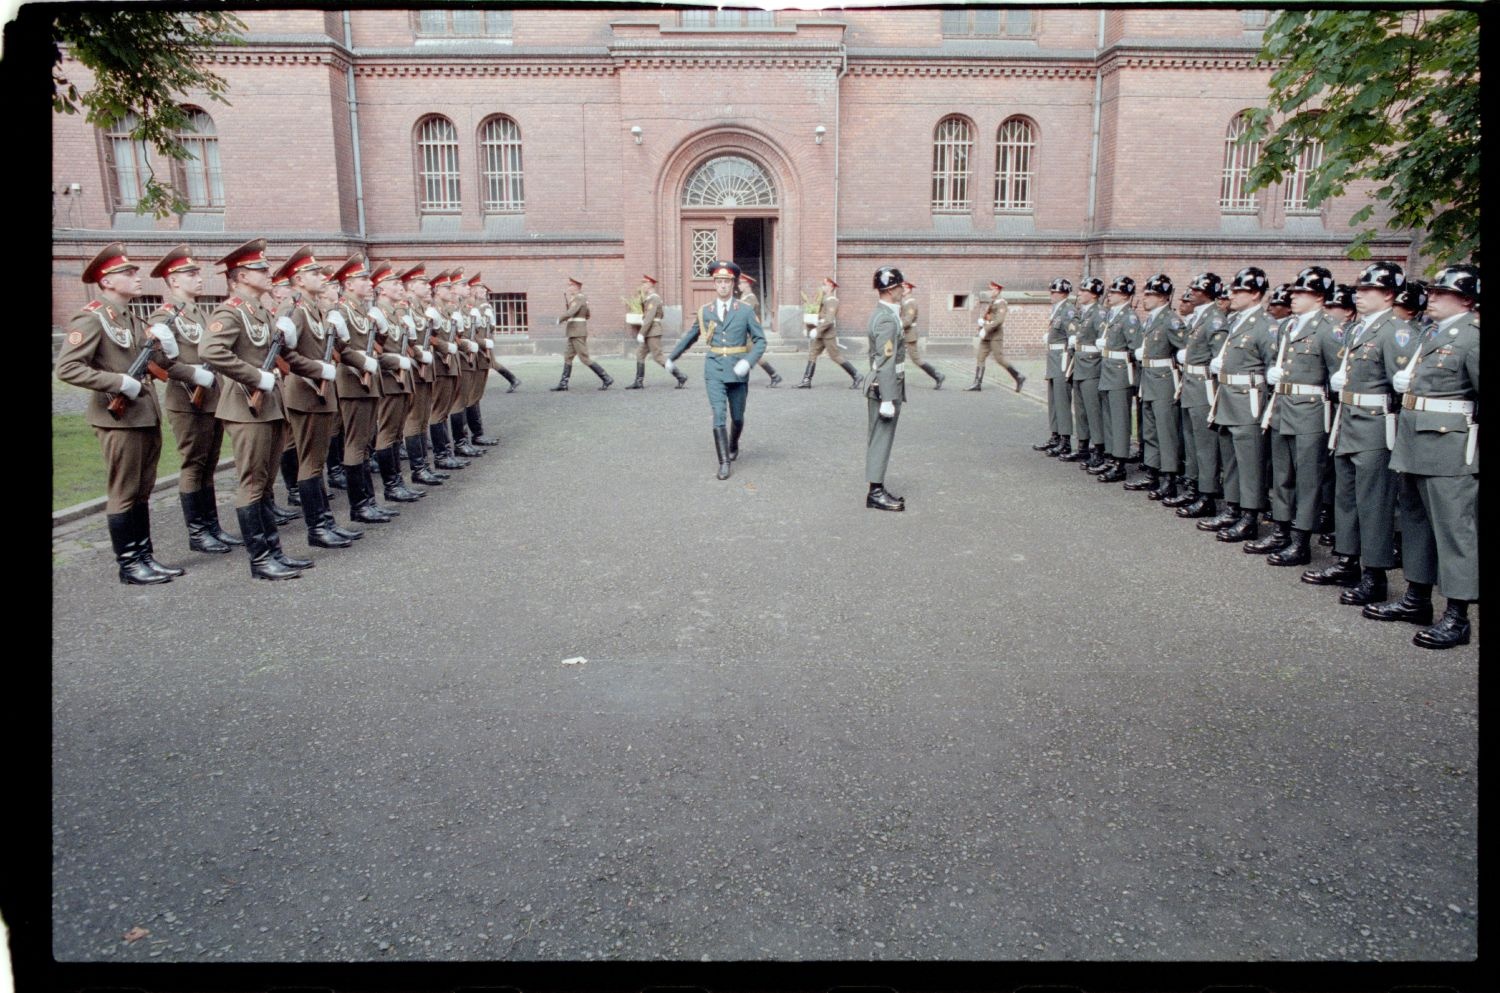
{"type": "Point", "coordinates": [1227, 518]}
{"type": "Point", "coordinates": [1186, 493]}
{"type": "Point", "coordinates": [210, 507]}
{"type": "Point", "coordinates": [931, 370]}
{"type": "Point", "coordinates": [1279, 538]}
{"type": "Point", "coordinates": [562, 384]}
{"type": "Point", "coordinates": [418, 462]}
{"type": "Point", "coordinates": [1247, 527]}
{"type": "Point", "coordinates": [721, 446]}
{"type": "Point", "coordinates": [681, 379]}
{"type": "Point", "coordinates": [510, 378]}
{"type": "Point", "coordinates": [424, 439]}
{"type": "Point", "coordinates": [362, 506]}
{"type": "Point", "coordinates": [1047, 445]}
{"type": "Point", "coordinates": [1017, 376]}
{"type": "Point", "coordinates": [975, 386]}
{"type": "Point", "coordinates": [1370, 589]}
{"type": "Point", "coordinates": [200, 538]}
{"type": "Point", "coordinates": [460, 431]}
{"type": "Point", "coordinates": [1414, 607]}
{"type": "Point", "coordinates": [351, 534]}
{"type": "Point", "coordinates": [273, 539]}
{"type": "Point", "coordinates": [442, 449]}
{"type": "Point", "coordinates": [640, 377]}
{"type": "Point", "coordinates": [263, 564]}
{"type": "Point", "coordinates": [476, 426]}
{"type": "Point", "coordinates": [142, 512]}
{"type": "Point", "coordinates": [879, 499]}
{"type": "Point", "coordinates": [1298, 551]}
{"type": "Point", "coordinates": [605, 380]}
{"type": "Point", "coordinates": [289, 476]}
{"type": "Point", "coordinates": [318, 534]}
{"type": "Point", "coordinates": [390, 475]}
{"type": "Point", "coordinates": [1449, 632]}
{"type": "Point", "coordinates": [336, 477]}
{"type": "Point", "coordinates": [735, 427]}
{"type": "Point", "coordinates": [807, 375]}
{"type": "Point", "coordinates": [775, 377]}
{"type": "Point", "coordinates": [133, 571]}
{"type": "Point", "coordinates": [1343, 572]}
{"type": "Point", "coordinates": [855, 379]}
{"type": "Point", "coordinates": [1149, 481]}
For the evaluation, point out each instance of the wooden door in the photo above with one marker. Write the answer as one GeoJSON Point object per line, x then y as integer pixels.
{"type": "Point", "coordinates": [704, 239]}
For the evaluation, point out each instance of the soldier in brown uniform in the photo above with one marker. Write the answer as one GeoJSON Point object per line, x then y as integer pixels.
{"type": "Point", "coordinates": [192, 396]}
{"type": "Point", "coordinates": [823, 336]}
{"type": "Point", "coordinates": [240, 345]}
{"type": "Point", "coordinates": [395, 383]}
{"type": "Point", "coordinates": [465, 319]}
{"type": "Point", "coordinates": [328, 298]}
{"type": "Point", "coordinates": [749, 299]}
{"type": "Point", "coordinates": [575, 318]}
{"type": "Point", "coordinates": [279, 293]}
{"type": "Point", "coordinates": [483, 316]}
{"type": "Point", "coordinates": [445, 365]}
{"type": "Point", "coordinates": [991, 339]}
{"type": "Point", "coordinates": [310, 394]}
{"type": "Point", "coordinates": [419, 349]}
{"type": "Point", "coordinates": [359, 385]}
{"type": "Point", "coordinates": [909, 335]}
{"type": "Point", "coordinates": [103, 341]}
{"type": "Point", "coordinates": [492, 324]}
{"type": "Point", "coordinates": [648, 338]}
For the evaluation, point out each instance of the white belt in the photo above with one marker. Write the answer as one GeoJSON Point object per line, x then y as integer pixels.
{"type": "Point", "coordinates": [1366, 399]}
{"type": "Point", "coordinates": [1158, 363]}
{"type": "Point", "coordinates": [1059, 346]}
{"type": "Point", "coordinates": [1241, 378]}
{"type": "Point", "coordinates": [1116, 355]}
{"type": "Point", "coordinates": [1300, 390]}
{"type": "Point", "coordinates": [1439, 406]}
{"type": "Point", "coordinates": [1196, 370]}
{"type": "Point", "coordinates": [1089, 349]}
{"type": "Point", "coordinates": [573, 319]}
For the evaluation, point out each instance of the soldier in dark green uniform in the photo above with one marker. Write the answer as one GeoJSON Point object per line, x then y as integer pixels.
{"type": "Point", "coordinates": [1340, 310]}
{"type": "Point", "coordinates": [1162, 335]}
{"type": "Point", "coordinates": [1437, 458]}
{"type": "Point", "coordinates": [735, 343]}
{"type": "Point", "coordinates": [1059, 403]}
{"type": "Point", "coordinates": [1119, 335]}
{"type": "Point", "coordinates": [885, 387]}
{"type": "Point", "coordinates": [1088, 419]}
{"type": "Point", "coordinates": [1206, 329]}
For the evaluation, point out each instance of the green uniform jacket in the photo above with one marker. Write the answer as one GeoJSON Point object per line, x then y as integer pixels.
{"type": "Point", "coordinates": [1250, 347]}
{"type": "Point", "coordinates": [1430, 443]}
{"type": "Point", "coordinates": [1122, 333]}
{"type": "Point", "coordinates": [1162, 335]}
{"type": "Point", "coordinates": [887, 379]}
{"type": "Point", "coordinates": [1205, 334]}
{"type": "Point", "coordinates": [1304, 363]}
{"type": "Point", "coordinates": [1381, 351]}
{"type": "Point", "coordinates": [1086, 325]}
{"type": "Point", "coordinates": [1057, 334]}
{"type": "Point", "coordinates": [740, 329]}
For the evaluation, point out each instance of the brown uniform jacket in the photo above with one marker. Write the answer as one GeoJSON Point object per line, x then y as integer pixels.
{"type": "Point", "coordinates": [188, 325]}
{"type": "Point", "coordinates": [393, 379]}
{"type": "Point", "coordinates": [651, 315]}
{"type": "Point", "coordinates": [300, 390]}
{"type": "Point", "coordinates": [100, 345]}
{"type": "Point", "coordinates": [994, 318]}
{"type": "Point", "coordinates": [576, 317]}
{"type": "Point", "coordinates": [238, 340]}
{"type": "Point", "coordinates": [362, 336]}
{"type": "Point", "coordinates": [909, 320]}
{"type": "Point", "coordinates": [828, 312]}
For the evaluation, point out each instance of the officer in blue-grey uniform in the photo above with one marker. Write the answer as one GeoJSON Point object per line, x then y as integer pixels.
{"type": "Point", "coordinates": [885, 386]}
{"type": "Point", "coordinates": [735, 343]}
{"type": "Point", "coordinates": [1437, 460]}
{"type": "Point", "coordinates": [1059, 402]}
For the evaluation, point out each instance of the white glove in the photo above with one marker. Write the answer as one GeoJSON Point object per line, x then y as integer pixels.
{"type": "Point", "coordinates": [339, 327]}
{"type": "Point", "coordinates": [1274, 374]}
{"type": "Point", "coordinates": [489, 343]}
{"type": "Point", "coordinates": [474, 313]}
{"type": "Point", "coordinates": [1402, 380]}
{"type": "Point", "coordinates": [378, 316]}
{"type": "Point", "coordinates": [267, 382]}
{"type": "Point", "coordinates": [1182, 356]}
{"type": "Point", "coordinates": [288, 330]}
{"type": "Point", "coordinates": [1099, 341]}
{"type": "Point", "coordinates": [432, 313]}
{"type": "Point", "coordinates": [887, 409]}
{"type": "Point", "coordinates": [473, 345]}
{"type": "Point", "coordinates": [490, 313]}
{"type": "Point", "coordinates": [411, 325]}
{"type": "Point", "coordinates": [640, 339]}
{"type": "Point", "coordinates": [670, 366]}
{"type": "Point", "coordinates": [1140, 353]}
{"type": "Point", "coordinates": [130, 387]}
{"type": "Point", "coordinates": [742, 367]}
{"type": "Point", "coordinates": [1216, 365]}
{"type": "Point", "coordinates": [168, 340]}
{"type": "Point", "coordinates": [370, 364]}
{"type": "Point", "coordinates": [1073, 341]}
{"type": "Point", "coordinates": [1338, 380]}
{"type": "Point", "coordinates": [980, 322]}
{"type": "Point", "coordinates": [202, 376]}
{"type": "Point", "coordinates": [426, 357]}
{"type": "Point", "coordinates": [809, 332]}
{"type": "Point", "coordinates": [328, 371]}
{"type": "Point", "coordinates": [452, 348]}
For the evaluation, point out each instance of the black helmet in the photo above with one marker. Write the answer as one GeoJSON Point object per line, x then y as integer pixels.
{"type": "Point", "coordinates": [1160, 284]}
{"type": "Point", "coordinates": [723, 268]}
{"type": "Point", "coordinates": [1281, 296]}
{"type": "Point", "coordinates": [1122, 284]}
{"type": "Point", "coordinates": [1381, 276]}
{"type": "Point", "coordinates": [1313, 279]}
{"type": "Point", "coordinates": [1252, 278]}
{"type": "Point", "coordinates": [1060, 286]}
{"type": "Point", "coordinates": [888, 277]}
{"type": "Point", "coordinates": [1413, 296]}
{"type": "Point", "coordinates": [1091, 284]}
{"type": "Point", "coordinates": [1460, 279]}
{"type": "Point", "coordinates": [1342, 297]}
{"type": "Point", "coordinates": [1223, 293]}
{"type": "Point", "coordinates": [1187, 296]}
{"type": "Point", "coordinates": [1208, 283]}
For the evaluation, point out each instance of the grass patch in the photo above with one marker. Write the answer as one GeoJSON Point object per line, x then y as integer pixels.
{"type": "Point", "coordinates": [78, 464]}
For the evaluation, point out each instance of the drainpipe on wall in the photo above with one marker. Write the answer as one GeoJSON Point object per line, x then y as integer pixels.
{"type": "Point", "coordinates": [837, 130]}
{"type": "Point", "coordinates": [359, 182]}
{"type": "Point", "coordinates": [1094, 152]}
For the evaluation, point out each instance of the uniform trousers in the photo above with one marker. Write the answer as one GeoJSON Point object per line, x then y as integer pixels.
{"type": "Point", "coordinates": [130, 458]}
{"type": "Point", "coordinates": [419, 413]}
{"type": "Point", "coordinates": [651, 348]}
{"type": "Point", "coordinates": [992, 348]}
{"type": "Point", "coordinates": [1086, 410]}
{"type": "Point", "coordinates": [1298, 464]}
{"type": "Point", "coordinates": [726, 399]}
{"type": "Point", "coordinates": [358, 415]}
{"type": "Point", "coordinates": [1241, 448]}
{"type": "Point", "coordinates": [912, 354]}
{"type": "Point", "coordinates": [1205, 445]}
{"type": "Point", "coordinates": [444, 393]}
{"type": "Point", "coordinates": [200, 439]}
{"type": "Point", "coordinates": [1059, 409]}
{"type": "Point", "coordinates": [1364, 507]}
{"type": "Point", "coordinates": [391, 419]}
{"type": "Point", "coordinates": [257, 447]}
{"type": "Point", "coordinates": [1440, 533]}
{"type": "Point", "coordinates": [1116, 404]}
{"type": "Point", "coordinates": [882, 434]}
{"type": "Point", "coordinates": [577, 347]}
{"type": "Point", "coordinates": [311, 433]}
{"type": "Point", "coordinates": [1189, 443]}
{"type": "Point", "coordinates": [1161, 444]}
{"type": "Point", "coordinates": [827, 342]}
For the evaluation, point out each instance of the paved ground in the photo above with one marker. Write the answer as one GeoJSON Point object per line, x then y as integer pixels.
{"type": "Point", "coordinates": [1031, 718]}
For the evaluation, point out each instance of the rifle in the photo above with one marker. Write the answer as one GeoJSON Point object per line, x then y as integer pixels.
{"type": "Point", "coordinates": [273, 360]}
{"type": "Point", "coordinates": [1265, 420]}
{"type": "Point", "coordinates": [199, 393]}
{"type": "Point", "coordinates": [143, 364]}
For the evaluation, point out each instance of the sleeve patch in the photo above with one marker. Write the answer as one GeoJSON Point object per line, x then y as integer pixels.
{"type": "Point", "coordinates": [75, 337]}
{"type": "Point", "coordinates": [216, 326]}
{"type": "Point", "coordinates": [890, 348]}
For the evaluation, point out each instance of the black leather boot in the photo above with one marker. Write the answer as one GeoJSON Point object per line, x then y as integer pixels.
{"type": "Point", "coordinates": [1414, 607]}
{"type": "Point", "coordinates": [425, 441]}
{"type": "Point", "coordinates": [1114, 473]}
{"type": "Point", "coordinates": [1147, 482]}
{"type": "Point", "coordinates": [418, 462]}
{"type": "Point", "coordinates": [721, 446]}
{"type": "Point", "coordinates": [1227, 517]}
{"type": "Point", "coordinates": [318, 534]}
{"type": "Point", "coordinates": [263, 564]}
{"type": "Point", "coordinates": [200, 538]}
{"type": "Point", "coordinates": [807, 376]}
{"type": "Point", "coordinates": [476, 427]}
{"type": "Point", "coordinates": [937, 377]}
{"type": "Point", "coordinates": [367, 484]}
{"type": "Point", "coordinates": [775, 377]}
{"type": "Point", "coordinates": [605, 379]}
{"type": "Point", "coordinates": [1324, 523]}
{"type": "Point", "coordinates": [443, 449]}
{"type": "Point", "coordinates": [283, 514]}
{"type": "Point", "coordinates": [351, 534]}
{"type": "Point", "coordinates": [336, 478]}
{"type": "Point", "coordinates": [1279, 538]}
{"type": "Point", "coordinates": [1066, 448]}
{"type": "Point", "coordinates": [336, 462]}
{"type": "Point", "coordinates": [146, 555]}
{"type": "Point", "coordinates": [1247, 527]}
{"type": "Point", "coordinates": [362, 501]}
{"type": "Point", "coordinates": [1450, 631]}
{"type": "Point", "coordinates": [1166, 485]}
{"type": "Point", "coordinates": [272, 538]}
{"type": "Point", "coordinates": [855, 379]}
{"type": "Point", "coordinates": [1186, 493]}
{"type": "Point", "coordinates": [1370, 589]}
{"type": "Point", "coordinates": [1047, 445]}
{"type": "Point", "coordinates": [510, 378]}
{"type": "Point", "coordinates": [681, 379]}
{"type": "Point", "coordinates": [1296, 552]}
{"type": "Point", "coordinates": [289, 476]}
{"type": "Point", "coordinates": [390, 475]}
{"type": "Point", "coordinates": [1017, 376]}
{"type": "Point", "coordinates": [975, 386]}
{"type": "Point", "coordinates": [133, 571]}
{"type": "Point", "coordinates": [735, 427]}
{"type": "Point", "coordinates": [879, 499]}
{"type": "Point", "coordinates": [461, 437]}
{"type": "Point", "coordinates": [562, 384]}
{"type": "Point", "coordinates": [1080, 454]}
{"type": "Point", "coordinates": [640, 377]}
{"type": "Point", "coordinates": [1344, 571]}
{"type": "Point", "coordinates": [1396, 552]}
{"type": "Point", "coordinates": [1201, 505]}
{"type": "Point", "coordinates": [210, 507]}
{"type": "Point", "coordinates": [1095, 460]}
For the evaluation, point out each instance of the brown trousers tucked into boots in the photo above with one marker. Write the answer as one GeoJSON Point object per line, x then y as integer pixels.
{"type": "Point", "coordinates": [130, 458]}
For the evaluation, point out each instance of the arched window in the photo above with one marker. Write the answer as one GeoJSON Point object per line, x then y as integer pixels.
{"type": "Point", "coordinates": [729, 181]}
{"type": "Point", "coordinates": [199, 179]}
{"type": "Point", "coordinates": [1015, 151]}
{"type": "Point", "coordinates": [437, 166]}
{"type": "Point", "coordinates": [127, 163]}
{"type": "Point", "coordinates": [500, 154]}
{"type": "Point", "coordinates": [952, 146]}
{"type": "Point", "coordinates": [1238, 161]}
{"type": "Point", "coordinates": [1309, 158]}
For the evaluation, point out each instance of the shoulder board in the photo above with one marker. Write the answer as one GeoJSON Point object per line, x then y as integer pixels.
{"type": "Point", "coordinates": [93, 305]}
{"type": "Point", "coordinates": [233, 302]}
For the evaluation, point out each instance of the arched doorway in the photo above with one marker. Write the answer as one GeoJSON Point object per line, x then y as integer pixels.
{"type": "Point", "coordinates": [730, 209]}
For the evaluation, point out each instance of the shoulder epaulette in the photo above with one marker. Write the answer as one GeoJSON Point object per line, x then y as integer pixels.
{"type": "Point", "coordinates": [93, 305]}
{"type": "Point", "coordinates": [233, 302]}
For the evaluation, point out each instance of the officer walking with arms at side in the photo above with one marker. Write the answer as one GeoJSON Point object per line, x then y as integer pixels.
{"type": "Point", "coordinates": [575, 319]}
{"type": "Point", "coordinates": [991, 338]}
{"type": "Point", "coordinates": [909, 334]}
{"type": "Point", "coordinates": [648, 338]}
{"type": "Point", "coordinates": [885, 388]}
{"type": "Point", "coordinates": [1059, 405]}
{"type": "Point", "coordinates": [824, 337]}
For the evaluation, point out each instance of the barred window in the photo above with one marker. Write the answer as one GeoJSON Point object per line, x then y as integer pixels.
{"type": "Point", "coordinates": [127, 163]}
{"type": "Point", "coordinates": [953, 142]}
{"type": "Point", "coordinates": [705, 251]}
{"type": "Point", "coordinates": [463, 23]}
{"type": "Point", "coordinates": [510, 312]}
{"type": "Point", "coordinates": [500, 153]}
{"type": "Point", "coordinates": [989, 22]}
{"type": "Point", "coordinates": [199, 178]}
{"type": "Point", "coordinates": [1239, 159]}
{"type": "Point", "coordinates": [437, 166]}
{"type": "Point", "coordinates": [145, 305]}
{"type": "Point", "coordinates": [1309, 158]}
{"type": "Point", "coordinates": [729, 19]}
{"type": "Point", "coordinates": [1015, 152]}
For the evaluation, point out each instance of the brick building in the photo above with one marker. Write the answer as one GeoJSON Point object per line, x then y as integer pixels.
{"type": "Point", "coordinates": [963, 145]}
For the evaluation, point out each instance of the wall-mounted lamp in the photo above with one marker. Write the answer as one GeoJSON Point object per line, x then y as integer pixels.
{"type": "Point", "coordinates": [635, 132]}
{"type": "Point", "coordinates": [818, 133]}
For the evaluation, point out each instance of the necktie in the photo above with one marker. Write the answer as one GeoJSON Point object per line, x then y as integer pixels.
{"type": "Point", "coordinates": [1359, 329]}
{"type": "Point", "coordinates": [721, 311]}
